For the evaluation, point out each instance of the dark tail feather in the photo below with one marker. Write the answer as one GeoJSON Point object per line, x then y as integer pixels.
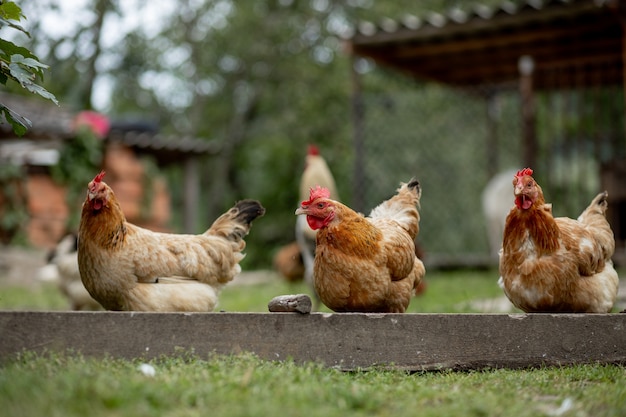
{"type": "Point", "coordinates": [414, 184]}
{"type": "Point", "coordinates": [248, 211]}
{"type": "Point", "coordinates": [235, 223]}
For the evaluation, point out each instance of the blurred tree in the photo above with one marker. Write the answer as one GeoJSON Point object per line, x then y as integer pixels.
{"type": "Point", "coordinates": [71, 39]}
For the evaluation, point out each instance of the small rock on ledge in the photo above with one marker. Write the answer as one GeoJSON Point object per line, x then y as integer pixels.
{"type": "Point", "coordinates": [299, 303]}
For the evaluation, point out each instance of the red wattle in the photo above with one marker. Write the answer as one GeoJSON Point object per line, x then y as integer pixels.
{"type": "Point", "coordinates": [314, 222]}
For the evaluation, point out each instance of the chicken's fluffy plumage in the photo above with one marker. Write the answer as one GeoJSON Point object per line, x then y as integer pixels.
{"type": "Point", "coordinates": [366, 264]}
{"type": "Point", "coordinates": [126, 267]}
{"type": "Point", "coordinates": [550, 264]}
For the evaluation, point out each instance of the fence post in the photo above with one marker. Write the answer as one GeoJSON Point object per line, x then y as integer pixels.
{"type": "Point", "coordinates": [526, 66]}
{"type": "Point", "coordinates": [358, 139]}
{"type": "Point", "coordinates": [493, 152]}
{"type": "Point", "coordinates": [191, 195]}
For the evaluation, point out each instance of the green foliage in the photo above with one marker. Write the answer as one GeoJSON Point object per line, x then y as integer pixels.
{"type": "Point", "coordinates": [20, 65]}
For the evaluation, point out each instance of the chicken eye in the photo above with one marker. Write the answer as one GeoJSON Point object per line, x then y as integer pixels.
{"type": "Point", "coordinates": [320, 205]}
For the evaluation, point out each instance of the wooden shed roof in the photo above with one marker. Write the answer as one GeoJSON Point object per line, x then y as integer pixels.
{"type": "Point", "coordinates": [53, 124]}
{"type": "Point", "coordinates": [483, 45]}
{"type": "Point", "coordinates": [165, 149]}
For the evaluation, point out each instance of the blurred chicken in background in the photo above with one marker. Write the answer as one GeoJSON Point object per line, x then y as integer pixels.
{"type": "Point", "coordinates": [496, 202]}
{"type": "Point", "coordinates": [62, 269]}
{"type": "Point", "coordinates": [316, 173]}
{"type": "Point", "coordinates": [295, 260]}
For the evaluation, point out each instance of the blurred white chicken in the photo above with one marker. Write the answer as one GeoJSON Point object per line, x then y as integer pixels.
{"type": "Point", "coordinates": [62, 268]}
{"type": "Point", "coordinates": [496, 202]}
{"type": "Point", "coordinates": [316, 172]}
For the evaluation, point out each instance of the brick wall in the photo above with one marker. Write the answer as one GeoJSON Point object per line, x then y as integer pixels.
{"type": "Point", "coordinates": [47, 209]}
{"type": "Point", "coordinates": [49, 212]}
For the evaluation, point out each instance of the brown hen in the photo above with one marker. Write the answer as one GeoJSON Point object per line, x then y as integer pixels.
{"type": "Point", "coordinates": [366, 264]}
{"type": "Point", "coordinates": [126, 267]}
{"type": "Point", "coordinates": [550, 264]}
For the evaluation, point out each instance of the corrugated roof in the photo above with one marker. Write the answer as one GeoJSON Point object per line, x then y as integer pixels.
{"type": "Point", "coordinates": [52, 124]}
{"type": "Point", "coordinates": [165, 148]}
{"type": "Point", "coordinates": [457, 17]}
{"type": "Point", "coordinates": [484, 42]}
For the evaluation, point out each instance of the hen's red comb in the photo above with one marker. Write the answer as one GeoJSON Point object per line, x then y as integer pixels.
{"type": "Point", "coordinates": [524, 172]}
{"type": "Point", "coordinates": [99, 177]}
{"type": "Point", "coordinates": [313, 150]}
{"type": "Point", "coordinates": [317, 192]}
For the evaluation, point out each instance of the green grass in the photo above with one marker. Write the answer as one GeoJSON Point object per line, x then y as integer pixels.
{"type": "Point", "coordinates": [32, 297]}
{"type": "Point", "coordinates": [243, 385]}
{"type": "Point", "coordinates": [446, 292]}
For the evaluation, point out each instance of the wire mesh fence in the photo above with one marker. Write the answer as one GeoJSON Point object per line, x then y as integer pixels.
{"type": "Point", "coordinates": [455, 140]}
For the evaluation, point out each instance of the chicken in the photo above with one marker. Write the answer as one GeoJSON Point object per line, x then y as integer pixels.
{"type": "Point", "coordinates": [64, 258]}
{"type": "Point", "coordinates": [496, 205]}
{"type": "Point", "coordinates": [316, 172]}
{"type": "Point", "coordinates": [366, 264]}
{"type": "Point", "coordinates": [125, 267]}
{"type": "Point", "coordinates": [288, 262]}
{"type": "Point", "coordinates": [550, 264]}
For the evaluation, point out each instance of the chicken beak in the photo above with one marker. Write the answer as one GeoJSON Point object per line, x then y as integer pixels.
{"type": "Point", "coordinates": [300, 211]}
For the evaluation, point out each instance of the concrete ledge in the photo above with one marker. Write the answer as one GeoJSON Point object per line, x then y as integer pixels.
{"type": "Point", "coordinates": [347, 341]}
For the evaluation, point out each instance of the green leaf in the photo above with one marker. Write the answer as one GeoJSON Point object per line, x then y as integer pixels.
{"type": "Point", "coordinates": [20, 74]}
{"type": "Point", "coordinates": [11, 49]}
{"type": "Point", "coordinates": [4, 22]}
{"type": "Point", "coordinates": [19, 123]}
{"type": "Point", "coordinates": [11, 11]}
{"type": "Point", "coordinates": [37, 89]}
{"type": "Point", "coordinates": [29, 62]}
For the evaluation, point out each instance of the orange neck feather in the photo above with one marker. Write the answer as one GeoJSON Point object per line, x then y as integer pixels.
{"type": "Point", "coordinates": [352, 235]}
{"type": "Point", "coordinates": [539, 224]}
{"type": "Point", "coordinates": [105, 227]}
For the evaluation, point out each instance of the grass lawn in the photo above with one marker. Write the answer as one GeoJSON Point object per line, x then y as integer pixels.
{"type": "Point", "coordinates": [244, 385]}
{"type": "Point", "coordinates": [446, 292]}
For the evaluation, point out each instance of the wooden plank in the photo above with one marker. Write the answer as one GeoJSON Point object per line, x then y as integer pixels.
{"type": "Point", "coordinates": [347, 341]}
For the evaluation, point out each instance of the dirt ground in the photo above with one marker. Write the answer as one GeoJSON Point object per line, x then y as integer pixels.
{"type": "Point", "coordinates": [20, 266]}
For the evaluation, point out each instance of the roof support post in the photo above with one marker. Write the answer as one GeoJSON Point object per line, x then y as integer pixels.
{"type": "Point", "coordinates": [358, 200]}
{"type": "Point", "coordinates": [526, 66]}
{"type": "Point", "coordinates": [492, 110]}
{"type": "Point", "coordinates": [621, 11]}
{"type": "Point", "coordinates": [191, 195]}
